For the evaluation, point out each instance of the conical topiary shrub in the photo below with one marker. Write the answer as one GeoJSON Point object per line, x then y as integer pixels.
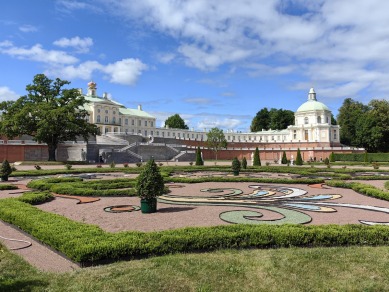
{"type": "Point", "coordinates": [199, 159]}
{"type": "Point", "coordinates": [284, 160]}
{"type": "Point", "coordinates": [299, 159]}
{"type": "Point", "coordinates": [332, 157]}
{"type": "Point", "coordinates": [235, 166]}
{"type": "Point", "coordinates": [5, 170]}
{"type": "Point", "coordinates": [257, 159]}
{"type": "Point", "coordinates": [149, 185]}
{"type": "Point", "coordinates": [244, 163]}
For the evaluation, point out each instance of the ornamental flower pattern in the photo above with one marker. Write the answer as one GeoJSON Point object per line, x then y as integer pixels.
{"type": "Point", "coordinates": [289, 202]}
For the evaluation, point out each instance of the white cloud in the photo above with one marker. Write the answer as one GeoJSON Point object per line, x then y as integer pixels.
{"type": "Point", "coordinates": [7, 94]}
{"type": "Point", "coordinates": [166, 58]}
{"type": "Point", "coordinates": [83, 71]}
{"type": "Point", "coordinates": [224, 124]}
{"type": "Point", "coordinates": [80, 44]}
{"type": "Point", "coordinates": [198, 100]}
{"type": "Point", "coordinates": [126, 71]}
{"type": "Point", "coordinates": [272, 35]}
{"type": "Point", "coordinates": [28, 28]}
{"type": "Point", "coordinates": [37, 53]}
{"type": "Point", "coordinates": [70, 5]}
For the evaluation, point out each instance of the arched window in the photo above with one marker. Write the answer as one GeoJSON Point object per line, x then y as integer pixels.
{"type": "Point", "coordinates": [306, 120]}
{"type": "Point", "coordinates": [319, 119]}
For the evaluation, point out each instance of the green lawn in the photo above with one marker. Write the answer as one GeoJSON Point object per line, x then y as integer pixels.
{"type": "Point", "coordinates": [295, 269]}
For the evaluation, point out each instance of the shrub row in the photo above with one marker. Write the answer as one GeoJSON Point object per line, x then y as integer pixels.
{"type": "Point", "coordinates": [361, 157]}
{"type": "Point", "coordinates": [7, 187]}
{"type": "Point", "coordinates": [245, 179]}
{"type": "Point", "coordinates": [387, 185]}
{"type": "Point", "coordinates": [77, 187]}
{"type": "Point", "coordinates": [89, 244]}
{"type": "Point", "coordinates": [35, 198]}
{"type": "Point", "coordinates": [365, 189]}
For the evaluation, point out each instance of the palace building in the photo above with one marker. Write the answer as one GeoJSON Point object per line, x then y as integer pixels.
{"type": "Point", "coordinates": [130, 135]}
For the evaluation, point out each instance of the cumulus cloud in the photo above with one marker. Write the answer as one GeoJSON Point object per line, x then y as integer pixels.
{"type": "Point", "coordinates": [266, 37]}
{"type": "Point", "coordinates": [61, 64]}
{"type": "Point", "coordinates": [126, 71]}
{"type": "Point", "coordinates": [37, 53]}
{"type": "Point", "coordinates": [7, 94]}
{"type": "Point", "coordinates": [82, 45]}
{"type": "Point", "coordinates": [82, 71]}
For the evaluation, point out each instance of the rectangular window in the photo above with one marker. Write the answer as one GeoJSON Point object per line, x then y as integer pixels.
{"type": "Point", "coordinates": [139, 123]}
{"type": "Point", "coordinates": [151, 124]}
{"type": "Point", "coordinates": [145, 123]}
{"type": "Point", "coordinates": [334, 134]}
{"type": "Point", "coordinates": [126, 121]}
{"type": "Point", "coordinates": [151, 133]}
{"type": "Point", "coordinates": [133, 122]}
{"type": "Point", "coordinates": [295, 134]}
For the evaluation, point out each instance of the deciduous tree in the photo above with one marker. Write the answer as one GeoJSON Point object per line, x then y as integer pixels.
{"type": "Point", "coordinates": [49, 113]}
{"type": "Point", "coordinates": [176, 122]}
{"type": "Point", "coordinates": [216, 140]}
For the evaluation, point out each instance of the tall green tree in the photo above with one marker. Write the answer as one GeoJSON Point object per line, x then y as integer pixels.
{"type": "Point", "coordinates": [276, 119]}
{"type": "Point", "coordinates": [349, 114]}
{"type": "Point", "coordinates": [372, 127]}
{"type": "Point", "coordinates": [260, 121]}
{"type": "Point", "coordinates": [280, 119]}
{"type": "Point", "coordinates": [256, 158]}
{"type": "Point", "coordinates": [216, 140]}
{"type": "Point", "coordinates": [49, 113]}
{"type": "Point", "coordinates": [176, 122]}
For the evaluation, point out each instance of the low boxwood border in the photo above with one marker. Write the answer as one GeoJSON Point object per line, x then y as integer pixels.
{"type": "Point", "coordinates": [4, 187]}
{"type": "Point", "coordinates": [87, 244]}
{"type": "Point", "coordinates": [365, 189]}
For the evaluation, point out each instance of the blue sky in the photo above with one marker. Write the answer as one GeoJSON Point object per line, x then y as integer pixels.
{"type": "Point", "coordinates": [216, 63]}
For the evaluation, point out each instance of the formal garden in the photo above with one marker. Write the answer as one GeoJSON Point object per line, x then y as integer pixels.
{"type": "Point", "coordinates": [206, 216]}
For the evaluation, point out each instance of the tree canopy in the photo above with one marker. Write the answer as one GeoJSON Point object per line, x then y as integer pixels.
{"type": "Point", "coordinates": [48, 113]}
{"type": "Point", "coordinates": [176, 122]}
{"type": "Point", "coordinates": [365, 126]}
{"type": "Point", "coordinates": [276, 119]}
{"type": "Point", "coordinates": [216, 140]}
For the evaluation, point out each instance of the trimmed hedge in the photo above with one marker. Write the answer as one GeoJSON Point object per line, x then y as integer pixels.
{"type": "Point", "coordinates": [35, 198]}
{"type": "Point", "coordinates": [4, 187]}
{"type": "Point", "coordinates": [246, 179]}
{"type": "Point", "coordinates": [87, 244]}
{"type": "Point", "coordinates": [365, 189]}
{"type": "Point", "coordinates": [78, 187]}
{"type": "Point", "coordinates": [384, 157]}
{"type": "Point", "coordinates": [387, 185]}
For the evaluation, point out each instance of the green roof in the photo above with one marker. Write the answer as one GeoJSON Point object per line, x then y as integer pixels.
{"type": "Point", "coordinates": [312, 105]}
{"type": "Point", "coordinates": [102, 100]}
{"type": "Point", "coordinates": [135, 112]}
